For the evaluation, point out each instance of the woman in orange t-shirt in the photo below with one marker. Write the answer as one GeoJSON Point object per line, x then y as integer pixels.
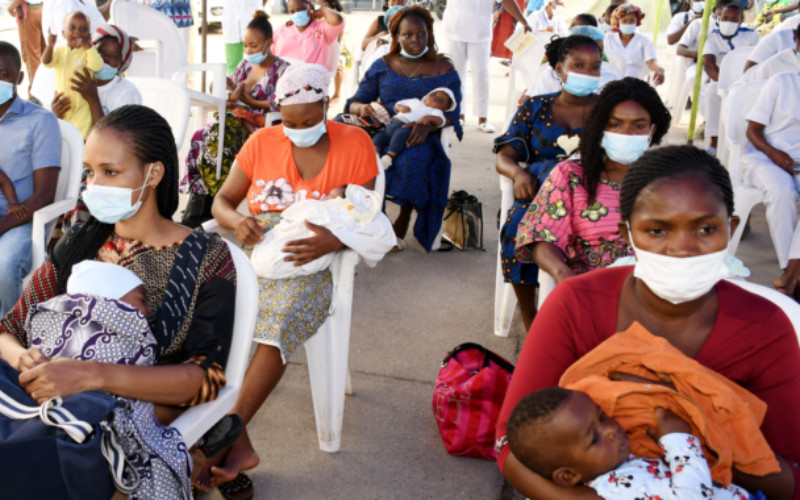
{"type": "Point", "coordinates": [306, 157]}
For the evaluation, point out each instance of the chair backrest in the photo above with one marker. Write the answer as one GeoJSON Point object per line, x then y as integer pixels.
{"type": "Point", "coordinates": [617, 60]}
{"type": "Point", "coordinates": [788, 24]}
{"type": "Point", "coordinates": [170, 99]}
{"type": "Point", "coordinates": [244, 319]}
{"type": "Point", "coordinates": [69, 178]}
{"type": "Point", "coordinates": [43, 87]}
{"type": "Point", "coordinates": [146, 23]}
{"type": "Point", "coordinates": [527, 65]}
{"type": "Point", "coordinates": [786, 303]}
{"type": "Point", "coordinates": [741, 100]}
{"type": "Point", "coordinates": [732, 67]}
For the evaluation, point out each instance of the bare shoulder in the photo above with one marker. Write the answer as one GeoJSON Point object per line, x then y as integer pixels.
{"type": "Point", "coordinates": [445, 65]}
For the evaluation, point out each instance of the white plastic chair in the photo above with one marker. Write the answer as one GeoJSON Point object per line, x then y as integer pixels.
{"type": "Point", "coordinates": [43, 86]}
{"type": "Point", "coordinates": [617, 60]}
{"type": "Point", "coordinates": [730, 70]}
{"type": "Point", "coordinates": [505, 301]}
{"type": "Point", "coordinates": [787, 304]}
{"type": "Point", "coordinates": [738, 104]}
{"type": "Point", "coordinates": [675, 84]}
{"type": "Point", "coordinates": [526, 65]}
{"type": "Point", "coordinates": [171, 101]}
{"type": "Point", "coordinates": [197, 420]}
{"type": "Point", "coordinates": [67, 190]}
{"type": "Point", "coordinates": [327, 351]}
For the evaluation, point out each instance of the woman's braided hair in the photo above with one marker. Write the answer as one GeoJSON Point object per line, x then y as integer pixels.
{"type": "Point", "coordinates": [150, 139]}
{"type": "Point", "coordinates": [628, 89]}
{"type": "Point", "coordinates": [672, 162]}
{"type": "Point", "coordinates": [560, 46]}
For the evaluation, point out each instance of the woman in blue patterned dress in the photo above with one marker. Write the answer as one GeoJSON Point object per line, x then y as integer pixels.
{"type": "Point", "coordinates": [420, 176]}
{"type": "Point", "coordinates": [543, 132]}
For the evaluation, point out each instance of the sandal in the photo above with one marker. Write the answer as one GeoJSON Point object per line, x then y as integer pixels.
{"type": "Point", "coordinates": [223, 434]}
{"type": "Point", "coordinates": [487, 128]}
{"type": "Point", "coordinates": [240, 488]}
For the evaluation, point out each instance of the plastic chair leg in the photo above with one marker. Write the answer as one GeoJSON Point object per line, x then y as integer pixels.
{"type": "Point", "coordinates": [745, 198]}
{"type": "Point", "coordinates": [348, 387]}
{"type": "Point", "coordinates": [680, 102]}
{"type": "Point", "coordinates": [504, 302]}
{"type": "Point", "coordinates": [546, 285]}
{"type": "Point", "coordinates": [327, 353]}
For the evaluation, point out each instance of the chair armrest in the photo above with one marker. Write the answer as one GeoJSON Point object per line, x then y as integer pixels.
{"type": "Point", "coordinates": [156, 46]}
{"type": "Point", "coordinates": [41, 218]}
{"type": "Point", "coordinates": [217, 69]}
{"type": "Point", "coordinates": [211, 226]}
{"type": "Point", "coordinates": [197, 420]}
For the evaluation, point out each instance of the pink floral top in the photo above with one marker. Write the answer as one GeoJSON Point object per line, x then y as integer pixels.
{"type": "Point", "coordinates": [561, 214]}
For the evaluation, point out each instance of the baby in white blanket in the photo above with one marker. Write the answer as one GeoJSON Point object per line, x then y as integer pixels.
{"type": "Point", "coordinates": [356, 220]}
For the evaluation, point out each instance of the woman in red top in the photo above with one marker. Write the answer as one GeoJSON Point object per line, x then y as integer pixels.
{"type": "Point", "coordinates": [308, 157]}
{"type": "Point", "coordinates": [677, 205]}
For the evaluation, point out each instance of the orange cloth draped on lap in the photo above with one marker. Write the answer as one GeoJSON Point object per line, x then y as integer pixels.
{"type": "Point", "coordinates": [722, 414]}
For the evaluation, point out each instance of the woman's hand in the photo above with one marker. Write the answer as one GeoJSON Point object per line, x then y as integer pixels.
{"type": "Point", "coordinates": [31, 358]}
{"type": "Point", "coordinates": [365, 110]}
{"type": "Point", "coordinates": [307, 249]}
{"type": "Point", "coordinates": [249, 231]}
{"type": "Point", "coordinates": [658, 77]}
{"type": "Point", "coordinates": [525, 185]}
{"type": "Point", "coordinates": [668, 423]}
{"type": "Point", "coordinates": [83, 83]}
{"type": "Point", "coordinates": [418, 134]}
{"type": "Point", "coordinates": [58, 377]}
{"type": "Point", "coordinates": [783, 160]}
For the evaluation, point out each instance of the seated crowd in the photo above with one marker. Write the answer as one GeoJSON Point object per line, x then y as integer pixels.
{"type": "Point", "coordinates": [634, 234]}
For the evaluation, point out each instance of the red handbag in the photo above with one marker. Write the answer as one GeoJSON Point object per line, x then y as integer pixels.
{"type": "Point", "coordinates": [469, 392]}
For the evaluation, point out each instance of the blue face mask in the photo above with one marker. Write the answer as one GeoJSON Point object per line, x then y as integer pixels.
{"type": "Point", "coordinates": [6, 92]}
{"type": "Point", "coordinates": [257, 58]}
{"type": "Point", "coordinates": [112, 204]}
{"type": "Point", "coordinates": [306, 137]}
{"type": "Point", "coordinates": [581, 85]}
{"type": "Point", "coordinates": [406, 54]}
{"type": "Point", "coordinates": [301, 18]}
{"type": "Point", "coordinates": [624, 148]}
{"type": "Point", "coordinates": [106, 73]}
{"type": "Point", "coordinates": [627, 29]}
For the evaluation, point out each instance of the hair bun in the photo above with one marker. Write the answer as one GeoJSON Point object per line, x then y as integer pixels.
{"type": "Point", "coordinates": [260, 14]}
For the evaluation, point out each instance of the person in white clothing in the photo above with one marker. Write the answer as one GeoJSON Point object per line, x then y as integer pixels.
{"type": "Point", "coordinates": [770, 45]}
{"type": "Point", "coordinates": [236, 15]}
{"type": "Point", "coordinates": [468, 35]}
{"type": "Point", "coordinates": [770, 165]}
{"type": "Point", "coordinates": [730, 35]}
{"type": "Point", "coordinates": [637, 50]}
{"type": "Point", "coordinates": [106, 90]}
{"type": "Point", "coordinates": [783, 61]}
{"type": "Point", "coordinates": [549, 18]}
{"type": "Point", "coordinates": [681, 21]}
{"type": "Point", "coordinates": [429, 109]}
{"type": "Point", "coordinates": [549, 81]}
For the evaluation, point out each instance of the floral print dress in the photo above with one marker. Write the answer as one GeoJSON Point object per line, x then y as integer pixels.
{"type": "Point", "coordinates": [562, 214]}
{"type": "Point", "coordinates": [201, 162]}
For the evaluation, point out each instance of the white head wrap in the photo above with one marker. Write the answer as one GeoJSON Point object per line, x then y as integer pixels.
{"type": "Point", "coordinates": [302, 83]}
{"type": "Point", "coordinates": [92, 277]}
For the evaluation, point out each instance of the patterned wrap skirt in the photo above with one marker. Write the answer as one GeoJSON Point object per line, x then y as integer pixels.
{"type": "Point", "coordinates": [291, 310]}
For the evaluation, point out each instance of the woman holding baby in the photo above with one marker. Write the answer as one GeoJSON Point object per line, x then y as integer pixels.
{"type": "Point", "coordinates": [676, 206]}
{"type": "Point", "coordinates": [131, 167]}
{"type": "Point", "coordinates": [420, 175]}
{"type": "Point", "coordinates": [307, 158]}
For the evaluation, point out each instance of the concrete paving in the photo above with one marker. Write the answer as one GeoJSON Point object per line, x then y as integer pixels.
{"type": "Point", "coordinates": [408, 312]}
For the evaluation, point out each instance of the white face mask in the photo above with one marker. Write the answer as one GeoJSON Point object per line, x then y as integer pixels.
{"type": "Point", "coordinates": [728, 28]}
{"type": "Point", "coordinates": [677, 279]}
{"type": "Point", "coordinates": [698, 7]}
{"type": "Point", "coordinates": [110, 204]}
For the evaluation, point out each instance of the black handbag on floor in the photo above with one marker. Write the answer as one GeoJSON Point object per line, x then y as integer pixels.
{"type": "Point", "coordinates": [463, 221]}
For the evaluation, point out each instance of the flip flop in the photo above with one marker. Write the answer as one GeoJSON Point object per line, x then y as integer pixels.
{"type": "Point", "coordinates": [223, 434]}
{"type": "Point", "coordinates": [240, 488]}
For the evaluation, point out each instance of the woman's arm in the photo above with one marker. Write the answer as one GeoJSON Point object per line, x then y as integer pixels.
{"type": "Point", "coordinates": [777, 486]}
{"type": "Point", "coordinates": [507, 164]}
{"type": "Point", "coordinates": [551, 260]}
{"type": "Point", "coordinates": [536, 487]}
{"type": "Point", "coordinates": [331, 16]}
{"type": "Point", "coordinates": [254, 103]}
{"type": "Point", "coordinates": [372, 34]}
{"type": "Point", "coordinates": [83, 84]}
{"type": "Point", "coordinates": [684, 51]}
{"type": "Point", "coordinates": [168, 385]}
{"type": "Point", "coordinates": [658, 77]}
{"type": "Point", "coordinates": [248, 230]}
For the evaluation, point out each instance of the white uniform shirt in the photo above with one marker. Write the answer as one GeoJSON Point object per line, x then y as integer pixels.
{"type": "Point", "coordinates": [782, 62]}
{"type": "Point", "coordinates": [680, 20]}
{"type": "Point", "coordinates": [236, 15]}
{"type": "Point", "coordinates": [54, 12]}
{"type": "Point", "coordinates": [639, 50]}
{"type": "Point", "coordinates": [547, 80]}
{"type": "Point", "coordinates": [468, 21]}
{"type": "Point", "coordinates": [719, 46]}
{"type": "Point", "coordinates": [778, 108]}
{"type": "Point", "coordinates": [691, 37]}
{"type": "Point", "coordinates": [539, 21]}
{"type": "Point", "coordinates": [117, 93]}
{"type": "Point", "coordinates": [771, 45]}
